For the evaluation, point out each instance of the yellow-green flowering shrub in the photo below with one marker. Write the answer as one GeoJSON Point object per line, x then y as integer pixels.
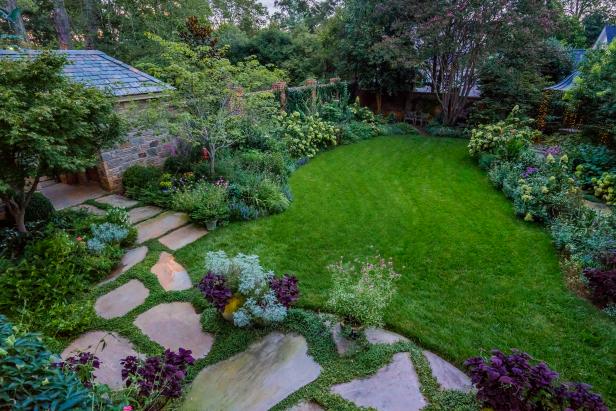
{"type": "Point", "coordinates": [306, 135]}
{"type": "Point", "coordinates": [605, 188]}
{"type": "Point", "coordinates": [504, 139]}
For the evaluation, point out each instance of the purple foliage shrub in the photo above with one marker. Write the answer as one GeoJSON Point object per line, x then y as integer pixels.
{"type": "Point", "coordinates": [82, 364]}
{"type": "Point", "coordinates": [513, 383]}
{"type": "Point", "coordinates": [162, 375]}
{"type": "Point", "coordinates": [602, 283]}
{"type": "Point", "coordinates": [214, 289]}
{"type": "Point", "coordinates": [286, 289]}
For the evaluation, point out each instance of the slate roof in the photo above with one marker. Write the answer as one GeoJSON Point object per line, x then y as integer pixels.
{"type": "Point", "coordinates": [96, 69]}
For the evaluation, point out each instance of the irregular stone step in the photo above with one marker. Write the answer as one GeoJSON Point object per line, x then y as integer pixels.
{"type": "Point", "coordinates": [122, 300]}
{"type": "Point", "coordinates": [65, 195]}
{"type": "Point", "coordinates": [110, 348]}
{"type": "Point", "coordinates": [116, 200]}
{"type": "Point", "coordinates": [174, 326]}
{"type": "Point", "coordinates": [171, 275]}
{"type": "Point", "coordinates": [182, 236]}
{"type": "Point", "coordinates": [129, 260]}
{"type": "Point", "coordinates": [256, 379]}
{"type": "Point", "coordinates": [89, 209]}
{"type": "Point", "coordinates": [600, 208]}
{"type": "Point", "coordinates": [381, 336]}
{"type": "Point", "coordinates": [159, 225]}
{"type": "Point", "coordinates": [447, 375]}
{"type": "Point", "coordinates": [306, 406]}
{"type": "Point", "coordinates": [139, 214]}
{"type": "Point", "coordinates": [46, 183]}
{"type": "Point", "coordinates": [394, 387]}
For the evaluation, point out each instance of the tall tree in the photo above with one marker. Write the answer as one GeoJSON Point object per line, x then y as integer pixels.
{"type": "Point", "coordinates": [62, 24]}
{"type": "Point", "coordinates": [48, 125]}
{"type": "Point", "coordinates": [90, 10]}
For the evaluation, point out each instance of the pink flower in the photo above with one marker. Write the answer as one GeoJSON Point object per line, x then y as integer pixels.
{"type": "Point", "coordinates": [79, 239]}
{"type": "Point", "coordinates": [127, 408]}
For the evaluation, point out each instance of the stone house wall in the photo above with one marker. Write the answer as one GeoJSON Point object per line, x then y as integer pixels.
{"type": "Point", "coordinates": [140, 148]}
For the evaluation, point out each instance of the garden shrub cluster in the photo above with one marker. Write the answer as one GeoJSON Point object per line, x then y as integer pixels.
{"type": "Point", "coordinates": [546, 184]}
{"type": "Point", "coordinates": [515, 382]}
{"type": "Point", "coordinates": [44, 276]}
{"type": "Point", "coordinates": [244, 292]}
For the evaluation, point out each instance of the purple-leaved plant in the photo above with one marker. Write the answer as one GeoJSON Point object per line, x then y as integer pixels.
{"type": "Point", "coordinates": [286, 289]}
{"type": "Point", "coordinates": [513, 383]}
{"type": "Point", "coordinates": [529, 172]}
{"type": "Point", "coordinates": [214, 289]}
{"type": "Point", "coordinates": [158, 375]}
{"type": "Point", "coordinates": [82, 364]}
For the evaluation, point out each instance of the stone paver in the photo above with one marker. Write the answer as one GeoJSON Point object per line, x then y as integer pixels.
{"type": "Point", "coordinates": [122, 300]}
{"type": "Point", "coordinates": [139, 214]}
{"type": "Point", "coordinates": [176, 325]}
{"type": "Point", "coordinates": [67, 195]}
{"type": "Point", "coordinates": [116, 200]}
{"type": "Point", "coordinates": [306, 406]}
{"type": "Point", "coordinates": [448, 376]}
{"type": "Point", "coordinates": [159, 225]}
{"type": "Point", "coordinates": [89, 209]}
{"type": "Point", "coordinates": [381, 336]}
{"type": "Point", "coordinates": [394, 387]}
{"type": "Point", "coordinates": [129, 260]}
{"type": "Point", "coordinates": [110, 348]}
{"type": "Point", "coordinates": [171, 275]}
{"type": "Point", "coordinates": [182, 236]}
{"type": "Point", "coordinates": [256, 379]}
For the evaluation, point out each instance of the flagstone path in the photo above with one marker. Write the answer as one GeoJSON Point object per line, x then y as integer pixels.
{"type": "Point", "coordinates": [267, 372]}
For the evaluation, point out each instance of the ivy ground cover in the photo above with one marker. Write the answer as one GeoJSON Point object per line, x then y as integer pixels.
{"type": "Point", "coordinates": [474, 277]}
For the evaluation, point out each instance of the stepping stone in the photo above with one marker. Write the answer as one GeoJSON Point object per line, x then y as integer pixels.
{"type": "Point", "coordinates": [122, 300]}
{"type": "Point", "coordinates": [139, 214]}
{"type": "Point", "coordinates": [381, 336]}
{"type": "Point", "coordinates": [307, 406]}
{"type": "Point", "coordinates": [176, 325]}
{"type": "Point", "coordinates": [394, 387]}
{"type": "Point", "coordinates": [171, 275]}
{"type": "Point", "coordinates": [116, 200]}
{"type": "Point", "coordinates": [256, 379]}
{"type": "Point", "coordinates": [159, 225]}
{"type": "Point", "coordinates": [129, 260]}
{"type": "Point", "coordinates": [89, 209]}
{"type": "Point", "coordinates": [600, 208]}
{"type": "Point", "coordinates": [447, 375]}
{"type": "Point", "coordinates": [66, 195]}
{"type": "Point", "coordinates": [182, 236]}
{"type": "Point", "coordinates": [110, 348]}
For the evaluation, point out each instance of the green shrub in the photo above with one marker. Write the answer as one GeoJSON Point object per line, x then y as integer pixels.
{"type": "Point", "coordinates": [213, 204]}
{"type": "Point", "coordinates": [140, 177]}
{"type": "Point", "coordinates": [305, 136]}
{"type": "Point", "coordinates": [395, 129]}
{"type": "Point", "coordinates": [486, 161]}
{"type": "Point", "coordinates": [355, 131]}
{"type": "Point", "coordinates": [362, 290]}
{"type": "Point", "coordinates": [605, 188]}
{"type": "Point", "coordinates": [39, 208]}
{"type": "Point", "coordinates": [591, 161]}
{"type": "Point", "coordinates": [506, 139]}
{"type": "Point", "coordinates": [29, 381]}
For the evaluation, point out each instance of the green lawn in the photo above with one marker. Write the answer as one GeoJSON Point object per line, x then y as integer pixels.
{"type": "Point", "coordinates": [474, 276]}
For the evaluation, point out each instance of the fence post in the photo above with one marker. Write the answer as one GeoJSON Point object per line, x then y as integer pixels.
{"type": "Point", "coordinates": [281, 87]}
{"type": "Point", "coordinates": [335, 80]}
{"type": "Point", "coordinates": [312, 83]}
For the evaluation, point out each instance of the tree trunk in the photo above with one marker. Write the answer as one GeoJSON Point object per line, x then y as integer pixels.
{"type": "Point", "coordinates": [91, 10]}
{"type": "Point", "coordinates": [62, 24]}
{"type": "Point", "coordinates": [18, 24]}
{"type": "Point", "coordinates": [212, 161]}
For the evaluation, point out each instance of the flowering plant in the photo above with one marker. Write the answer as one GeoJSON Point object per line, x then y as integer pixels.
{"type": "Point", "coordinates": [513, 382]}
{"type": "Point", "coordinates": [83, 365]}
{"type": "Point", "coordinates": [244, 292]}
{"type": "Point", "coordinates": [157, 378]}
{"type": "Point", "coordinates": [362, 290]}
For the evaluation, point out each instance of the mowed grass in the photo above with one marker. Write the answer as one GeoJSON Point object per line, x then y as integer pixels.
{"type": "Point", "coordinates": [474, 277]}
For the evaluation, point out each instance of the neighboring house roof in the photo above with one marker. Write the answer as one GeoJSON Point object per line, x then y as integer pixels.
{"type": "Point", "coordinates": [94, 68]}
{"type": "Point", "coordinates": [608, 34]}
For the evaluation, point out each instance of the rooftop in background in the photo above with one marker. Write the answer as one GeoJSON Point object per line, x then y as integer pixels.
{"type": "Point", "coordinates": [96, 69]}
{"type": "Point", "coordinates": [608, 34]}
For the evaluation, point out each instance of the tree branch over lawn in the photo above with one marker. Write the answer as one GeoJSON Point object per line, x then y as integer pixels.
{"type": "Point", "coordinates": [48, 125]}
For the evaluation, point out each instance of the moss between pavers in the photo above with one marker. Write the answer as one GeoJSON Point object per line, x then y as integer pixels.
{"type": "Point", "coordinates": [230, 340]}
